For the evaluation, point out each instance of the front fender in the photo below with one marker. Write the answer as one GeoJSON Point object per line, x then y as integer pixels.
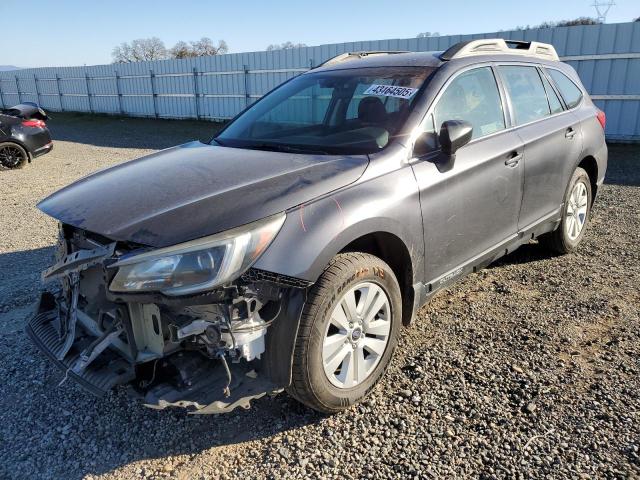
{"type": "Point", "coordinates": [315, 232]}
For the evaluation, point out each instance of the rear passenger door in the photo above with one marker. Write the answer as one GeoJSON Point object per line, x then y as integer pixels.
{"type": "Point", "coordinates": [551, 136]}
{"type": "Point", "coordinates": [474, 206]}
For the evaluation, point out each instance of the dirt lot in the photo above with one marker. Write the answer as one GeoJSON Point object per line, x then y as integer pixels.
{"type": "Point", "coordinates": [530, 368]}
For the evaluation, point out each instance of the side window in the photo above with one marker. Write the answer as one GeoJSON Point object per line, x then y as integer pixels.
{"type": "Point", "coordinates": [473, 96]}
{"type": "Point", "coordinates": [528, 98]}
{"type": "Point", "coordinates": [569, 91]}
{"type": "Point", "coordinates": [554, 101]}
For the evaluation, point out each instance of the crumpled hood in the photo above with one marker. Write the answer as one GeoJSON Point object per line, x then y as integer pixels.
{"type": "Point", "coordinates": [194, 190]}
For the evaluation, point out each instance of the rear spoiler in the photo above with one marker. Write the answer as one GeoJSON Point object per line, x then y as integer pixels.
{"type": "Point", "coordinates": [26, 110]}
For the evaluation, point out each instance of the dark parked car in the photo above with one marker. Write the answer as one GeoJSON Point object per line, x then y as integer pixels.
{"type": "Point", "coordinates": [289, 252]}
{"type": "Point", "coordinates": [23, 135]}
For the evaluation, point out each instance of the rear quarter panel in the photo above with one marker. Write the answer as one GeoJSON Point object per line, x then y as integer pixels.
{"type": "Point", "coordinates": [593, 135]}
{"type": "Point", "coordinates": [593, 138]}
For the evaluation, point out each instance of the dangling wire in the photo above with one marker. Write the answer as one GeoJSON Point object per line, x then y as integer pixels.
{"type": "Point", "coordinates": [226, 391]}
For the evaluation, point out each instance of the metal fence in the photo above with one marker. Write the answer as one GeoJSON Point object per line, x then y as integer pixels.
{"type": "Point", "coordinates": [607, 58]}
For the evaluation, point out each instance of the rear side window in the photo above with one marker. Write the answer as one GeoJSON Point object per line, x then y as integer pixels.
{"type": "Point", "coordinates": [528, 97]}
{"type": "Point", "coordinates": [473, 96]}
{"type": "Point", "coordinates": [569, 90]}
{"type": "Point", "coordinates": [554, 101]}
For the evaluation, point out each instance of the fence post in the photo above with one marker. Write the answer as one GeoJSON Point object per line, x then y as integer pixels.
{"type": "Point", "coordinates": [153, 93]}
{"type": "Point", "coordinates": [59, 93]}
{"type": "Point", "coordinates": [1, 95]}
{"type": "Point", "coordinates": [18, 88]}
{"type": "Point", "coordinates": [86, 82]}
{"type": "Point", "coordinates": [119, 93]}
{"type": "Point", "coordinates": [35, 84]}
{"type": "Point", "coordinates": [246, 85]}
{"type": "Point", "coordinates": [195, 91]}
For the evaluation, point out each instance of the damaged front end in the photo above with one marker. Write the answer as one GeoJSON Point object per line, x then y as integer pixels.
{"type": "Point", "coordinates": [160, 322]}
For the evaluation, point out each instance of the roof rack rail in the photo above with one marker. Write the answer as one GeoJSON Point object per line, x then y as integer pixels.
{"type": "Point", "coordinates": [351, 55]}
{"type": "Point", "coordinates": [499, 45]}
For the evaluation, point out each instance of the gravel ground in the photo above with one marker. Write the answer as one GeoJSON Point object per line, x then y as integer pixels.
{"type": "Point", "coordinates": [530, 368]}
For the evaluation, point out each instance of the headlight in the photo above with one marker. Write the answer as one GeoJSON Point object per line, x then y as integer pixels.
{"type": "Point", "coordinates": [199, 264]}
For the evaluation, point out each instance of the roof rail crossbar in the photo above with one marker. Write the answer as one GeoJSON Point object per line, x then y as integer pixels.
{"type": "Point", "coordinates": [352, 55]}
{"type": "Point", "coordinates": [499, 45]}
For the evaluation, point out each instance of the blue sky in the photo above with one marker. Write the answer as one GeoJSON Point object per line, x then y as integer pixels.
{"type": "Point", "coordinates": [61, 33]}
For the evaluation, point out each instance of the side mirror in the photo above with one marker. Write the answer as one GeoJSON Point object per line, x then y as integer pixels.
{"type": "Point", "coordinates": [454, 134]}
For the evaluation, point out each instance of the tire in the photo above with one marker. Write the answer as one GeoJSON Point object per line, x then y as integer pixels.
{"type": "Point", "coordinates": [12, 155]}
{"type": "Point", "coordinates": [368, 281]}
{"type": "Point", "coordinates": [566, 238]}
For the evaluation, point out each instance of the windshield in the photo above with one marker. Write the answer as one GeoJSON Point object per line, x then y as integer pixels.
{"type": "Point", "coordinates": [352, 111]}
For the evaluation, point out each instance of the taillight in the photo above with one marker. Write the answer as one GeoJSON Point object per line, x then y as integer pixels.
{"type": "Point", "coordinates": [602, 118]}
{"type": "Point", "coordinates": [34, 123]}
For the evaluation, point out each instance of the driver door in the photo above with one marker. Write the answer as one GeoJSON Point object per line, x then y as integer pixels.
{"type": "Point", "coordinates": [472, 207]}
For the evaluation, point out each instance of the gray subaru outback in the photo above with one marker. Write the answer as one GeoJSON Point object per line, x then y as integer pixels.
{"type": "Point", "coordinates": [290, 251]}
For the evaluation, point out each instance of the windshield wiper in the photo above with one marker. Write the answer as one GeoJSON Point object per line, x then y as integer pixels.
{"type": "Point", "coordinates": [279, 147]}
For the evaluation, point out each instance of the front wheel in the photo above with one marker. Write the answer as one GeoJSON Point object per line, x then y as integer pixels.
{"type": "Point", "coordinates": [575, 215]}
{"type": "Point", "coordinates": [348, 331]}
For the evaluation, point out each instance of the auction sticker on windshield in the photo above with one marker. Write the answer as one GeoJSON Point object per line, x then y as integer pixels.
{"type": "Point", "coordinates": [391, 91]}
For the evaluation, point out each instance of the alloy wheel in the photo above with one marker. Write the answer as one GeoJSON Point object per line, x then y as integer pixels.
{"type": "Point", "coordinates": [357, 335]}
{"type": "Point", "coordinates": [576, 213]}
{"type": "Point", "coordinates": [10, 156]}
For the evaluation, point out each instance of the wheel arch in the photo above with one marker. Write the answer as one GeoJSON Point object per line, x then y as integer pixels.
{"type": "Point", "coordinates": [394, 252]}
{"type": "Point", "coordinates": [590, 165]}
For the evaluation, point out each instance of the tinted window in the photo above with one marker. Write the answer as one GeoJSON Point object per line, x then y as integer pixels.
{"type": "Point", "coordinates": [473, 96]}
{"type": "Point", "coordinates": [528, 98]}
{"type": "Point", "coordinates": [554, 101]}
{"type": "Point", "coordinates": [569, 91]}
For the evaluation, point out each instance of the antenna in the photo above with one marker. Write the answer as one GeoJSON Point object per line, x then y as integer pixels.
{"type": "Point", "coordinates": [602, 8]}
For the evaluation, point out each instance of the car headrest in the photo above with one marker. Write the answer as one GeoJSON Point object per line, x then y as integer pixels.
{"type": "Point", "coordinates": [371, 110]}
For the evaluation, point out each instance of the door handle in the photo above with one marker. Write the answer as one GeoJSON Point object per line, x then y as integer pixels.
{"type": "Point", "coordinates": [570, 133]}
{"type": "Point", "coordinates": [513, 160]}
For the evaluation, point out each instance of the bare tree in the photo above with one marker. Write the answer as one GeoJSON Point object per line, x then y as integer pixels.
{"type": "Point", "coordinates": [181, 50]}
{"type": "Point", "coordinates": [563, 23]}
{"type": "Point", "coordinates": [201, 48]}
{"type": "Point", "coordinates": [205, 47]}
{"type": "Point", "coordinates": [285, 46]}
{"type": "Point", "coordinates": [139, 50]}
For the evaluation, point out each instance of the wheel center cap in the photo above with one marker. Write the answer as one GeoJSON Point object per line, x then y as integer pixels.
{"type": "Point", "coordinates": [356, 334]}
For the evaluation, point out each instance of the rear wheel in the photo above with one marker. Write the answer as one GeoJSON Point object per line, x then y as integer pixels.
{"type": "Point", "coordinates": [12, 155]}
{"type": "Point", "coordinates": [575, 215]}
{"type": "Point", "coordinates": [348, 331]}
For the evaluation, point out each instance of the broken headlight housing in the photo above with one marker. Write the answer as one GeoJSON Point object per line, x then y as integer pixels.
{"type": "Point", "coordinates": [199, 264]}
